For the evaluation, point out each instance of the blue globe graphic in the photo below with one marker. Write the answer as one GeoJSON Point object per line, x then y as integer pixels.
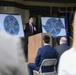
{"type": "Point", "coordinates": [11, 25]}
{"type": "Point", "coordinates": [53, 26]}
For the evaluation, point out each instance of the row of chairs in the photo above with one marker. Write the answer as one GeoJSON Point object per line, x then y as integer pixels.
{"type": "Point", "coordinates": [46, 62]}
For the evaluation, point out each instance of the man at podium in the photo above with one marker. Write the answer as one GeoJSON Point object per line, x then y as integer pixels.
{"type": "Point", "coordinates": [45, 52]}
{"type": "Point", "coordinates": [29, 30]}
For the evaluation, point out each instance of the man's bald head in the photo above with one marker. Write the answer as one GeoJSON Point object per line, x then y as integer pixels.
{"type": "Point", "coordinates": [63, 40]}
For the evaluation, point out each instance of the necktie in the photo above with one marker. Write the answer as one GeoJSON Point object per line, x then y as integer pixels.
{"type": "Point", "coordinates": [31, 30]}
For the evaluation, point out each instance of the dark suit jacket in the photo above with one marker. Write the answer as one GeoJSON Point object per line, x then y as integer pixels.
{"type": "Point", "coordinates": [60, 50]}
{"type": "Point", "coordinates": [45, 52]}
{"type": "Point", "coordinates": [27, 31]}
{"type": "Point", "coordinates": [27, 34]}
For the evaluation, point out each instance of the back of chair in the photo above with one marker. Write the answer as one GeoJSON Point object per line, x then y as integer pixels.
{"type": "Point", "coordinates": [48, 62]}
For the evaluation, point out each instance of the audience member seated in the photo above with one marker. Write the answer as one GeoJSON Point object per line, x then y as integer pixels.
{"type": "Point", "coordinates": [12, 60]}
{"type": "Point", "coordinates": [67, 64]}
{"type": "Point", "coordinates": [61, 49]}
{"type": "Point", "coordinates": [45, 52]}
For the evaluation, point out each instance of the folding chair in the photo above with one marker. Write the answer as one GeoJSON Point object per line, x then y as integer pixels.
{"type": "Point", "coordinates": [46, 62]}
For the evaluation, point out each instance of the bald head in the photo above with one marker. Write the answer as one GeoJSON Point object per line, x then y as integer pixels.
{"type": "Point", "coordinates": [63, 40]}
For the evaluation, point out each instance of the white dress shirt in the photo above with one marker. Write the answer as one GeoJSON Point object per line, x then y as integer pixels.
{"type": "Point", "coordinates": [31, 27]}
{"type": "Point", "coordinates": [67, 65]}
{"type": "Point", "coordinates": [46, 44]}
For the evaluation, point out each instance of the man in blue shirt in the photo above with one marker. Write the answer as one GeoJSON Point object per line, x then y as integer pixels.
{"type": "Point", "coordinates": [45, 52]}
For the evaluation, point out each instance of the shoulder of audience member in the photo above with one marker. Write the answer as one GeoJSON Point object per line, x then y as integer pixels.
{"type": "Point", "coordinates": [56, 46]}
{"type": "Point", "coordinates": [39, 48]}
{"type": "Point", "coordinates": [65, 54]}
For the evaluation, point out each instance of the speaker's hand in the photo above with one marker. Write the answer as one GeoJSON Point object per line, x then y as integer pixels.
{"type": "Point", "coordinates": [35, 28]}
{"type": "Point", "coordinates": [24, 26]}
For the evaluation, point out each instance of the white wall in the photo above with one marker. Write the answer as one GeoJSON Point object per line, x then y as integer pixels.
{"type": "Point", "coordinates": [21, 12]}
{"type": "Point", "coordinates": [24, 13]}
{"type": "Point", "coordinates": [4, 9]}
{"type": "Point", "coordinates": [27, 15]}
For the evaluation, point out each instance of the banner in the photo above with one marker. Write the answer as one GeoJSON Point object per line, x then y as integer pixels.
{"type": "Point", "coordinates": [11, 24]}
{"type": "Point", "coordinates": [55, 26]}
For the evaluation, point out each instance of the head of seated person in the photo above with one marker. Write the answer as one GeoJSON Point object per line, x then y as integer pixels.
{"type": "Point", "coordinates": [46, 39]}
{"type": "Point", "coordinates": [63, 40]}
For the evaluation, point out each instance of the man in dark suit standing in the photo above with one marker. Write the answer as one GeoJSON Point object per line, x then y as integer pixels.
{"type": "Point", "coordinates": [29, 30]}
{"type": "Point", "coordinates": [45, 52]}
{"type": "Point", "coordinates": [61, 49]}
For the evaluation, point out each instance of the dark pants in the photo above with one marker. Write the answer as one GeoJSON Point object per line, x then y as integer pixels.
{"type": "Point", "coordinates": [31, 67]}
{"type": "Point", "coordinates": [26, 45]}
{"type": "Point", "coordinates": [26, 49]}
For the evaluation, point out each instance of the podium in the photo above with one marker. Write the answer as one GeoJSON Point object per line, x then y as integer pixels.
{"type": "Point", "coordinates": [35, 42]}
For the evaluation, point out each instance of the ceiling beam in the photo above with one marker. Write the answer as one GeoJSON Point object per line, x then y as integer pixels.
{"type": "Point", "coordinates": [53, 1]}
{"type": "Point", "coordinates": [50, 4]}
{"type": "Point", "coordinates": [34, 3]}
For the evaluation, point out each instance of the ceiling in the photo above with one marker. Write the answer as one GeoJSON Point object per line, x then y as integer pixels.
{"type": "Point", "coordinates": [54, 1]}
